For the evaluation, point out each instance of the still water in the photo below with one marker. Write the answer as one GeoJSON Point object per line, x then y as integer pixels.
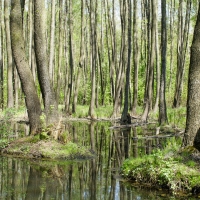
{"type": "Point", "coordinates": [96, 179]}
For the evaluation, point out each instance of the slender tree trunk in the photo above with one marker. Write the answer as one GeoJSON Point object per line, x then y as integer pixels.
{"type": "Point", "coordinates": [172, 21]}
{"type": "Point", "coordinates": [125, 118]}
{"type": "Point", "coordinates": [60, 49]}
{"type": "Point", "coordinates": [120, 72]}
{"type": "Point", "coordinates": [24, 71]}
{"type": "Point", "coordinates": [71, 55]}
{"type": "Point", "coordinates": [156, 106]}
{"type": "Point", "coordinates": [150, 66]}
{"type": "Point", "coordinates": [10, 98]}
{"type": "Point", "coordinates": [162, 103]}
{"type": "Point", "coordinates": [135, 57]}
{"type": "Point", "coordinates": [181, 50]}
{"type": "Point", "coordinates": [52, 40]}
{"type": "Point", "coordinates": [48, 94]}
{"type": "Point", "coordinates": [192, 130]}
{"type": "Point", "coordinates": [82, 58]}
{"type": "Point", "coordinates": [93, 57]}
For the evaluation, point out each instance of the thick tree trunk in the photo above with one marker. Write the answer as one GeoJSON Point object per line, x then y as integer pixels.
{"type": "Point", "coordinates": [1, 59]}
{"type": "Point", "coordinates": [48, 95]}
{"type": "Point", "coordinates": [192, 131]}
{"type": "Point", "coordinates": [24, 71]}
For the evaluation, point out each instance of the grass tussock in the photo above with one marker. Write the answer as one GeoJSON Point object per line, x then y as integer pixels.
{"type": "Point", "coordinates": [171, 169]}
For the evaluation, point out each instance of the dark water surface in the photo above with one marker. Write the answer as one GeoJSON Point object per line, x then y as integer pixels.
{"type": "Point", "coordinates": [96, 179]}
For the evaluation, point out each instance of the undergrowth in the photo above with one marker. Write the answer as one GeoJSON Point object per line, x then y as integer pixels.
{"type": "Point", "coordinates": [167, 169]}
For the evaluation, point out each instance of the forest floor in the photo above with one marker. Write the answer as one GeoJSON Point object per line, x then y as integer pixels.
{"type": "Point", "coordinates": [174, 169]}
{"type": "Point", "coordinates": [34, 147]}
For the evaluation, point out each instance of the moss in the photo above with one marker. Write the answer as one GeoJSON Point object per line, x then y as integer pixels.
{"type": "Point", "coordinates": [33, 147]}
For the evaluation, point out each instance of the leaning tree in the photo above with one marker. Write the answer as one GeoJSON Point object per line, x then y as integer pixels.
{"type": "Point", "coordinates": [18, 49]}
{"type": "Point", "coordinates": [24, 71]}
{"type": "Point", "coordinates": [192, 131]}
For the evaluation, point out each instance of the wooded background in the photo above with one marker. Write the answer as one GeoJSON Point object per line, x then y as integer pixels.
{"type": "Point", "coordinates": [125, 53]}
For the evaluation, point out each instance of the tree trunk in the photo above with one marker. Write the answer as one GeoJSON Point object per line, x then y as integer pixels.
{"type": "Point", "coordinates": [135, 58]}
{"type": "Point", "coordinates": [182, 43]}
{"type": "Point", "coordinates": [150, 65]}
{"type": "Point", "coordinates": [93, 6]}
{"type": "Point", "coordinates": [24, 71]}
{"type": "Point", "coordinates": [81, 59]}
{"type": "Point", "coordinates": [71, 55]}
{"type": "Point", "coordinates": [192, 130]}
{"type": "Point", "coordinates": [10, 98]}
{"type": "Point", "coordinates": [172, 43]}
{"type": "Point", "coordinates": [52, 40]}
{"type": "Point", "coordinates": [60, 48]}
{"type": "Point", "coordinates": [155, 109]}
{"type": "Point", "coordinates": [162, 102]}
{"type": "Point", "coordinates": [125, 118]}
{"type": "Point", "coordinates": [48, 94]}
{"type": "Point", "coordinates": [1, 59]}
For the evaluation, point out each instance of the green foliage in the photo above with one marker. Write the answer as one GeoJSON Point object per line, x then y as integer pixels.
{"type": "Point", "coordinates": [177, 116]}
{"type": "Point", "coordinates": [81, 111]}
{"type": "Point", "coordinates": [163, 168]}
{"type": "Point", "coordinates": [6, 130]}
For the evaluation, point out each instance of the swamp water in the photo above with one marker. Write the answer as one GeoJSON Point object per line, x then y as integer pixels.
{"type": "Point", "coordinates": [95, 179]}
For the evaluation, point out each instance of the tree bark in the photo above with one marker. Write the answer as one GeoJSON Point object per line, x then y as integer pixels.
{"type": "Point", "coordinates": [48, 95]}
{"type": "Point", "coordinates": [151, 60]}
{"type": "Point", "coordinates": [125, 118]}
{"type": "Point", "coordinates": [156, 106]}
{"type": "Point", "coordinates": [52, 40]}
{"type": "Point", "coordinates": [93, 57]}
{"type": "Point", "coordinates": [10, 98]}
{"type": "Point", "coordinates": [183, 31]}
{"type": "Point", "coordinates": [81, 59]}
{"type": "Point", "coordinates": [24, 71]}
{"type": "Point", "coordinates": [1, 58]}
{"type": "Point", "coordinates": [162, 102]}
{"type": "Point", "coordinates": [192, 130]}
{"type": "Point", "coordinates": [135, 58]}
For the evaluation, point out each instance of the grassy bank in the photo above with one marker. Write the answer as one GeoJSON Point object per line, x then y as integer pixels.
{"type": "Point", "coordinates": [173, 168]}
{"type": "Point", "coordinates": [37, 148]}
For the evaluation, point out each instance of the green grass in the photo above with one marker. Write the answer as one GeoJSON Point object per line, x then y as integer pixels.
{"type": "Point", "coordinates": [168, 168]}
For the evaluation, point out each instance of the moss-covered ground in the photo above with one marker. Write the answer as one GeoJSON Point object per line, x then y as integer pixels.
{"type": "Point", "coordinates": [173, 168]}
{"type": "Point", "coordinates": [37, 148]}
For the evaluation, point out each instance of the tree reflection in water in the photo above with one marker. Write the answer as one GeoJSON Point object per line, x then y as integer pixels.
{"type": "Point", "coordinates": [91, 179]}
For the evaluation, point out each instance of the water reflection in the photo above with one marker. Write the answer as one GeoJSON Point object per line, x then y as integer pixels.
{"type": "Point", "coordinates": [94, 179]}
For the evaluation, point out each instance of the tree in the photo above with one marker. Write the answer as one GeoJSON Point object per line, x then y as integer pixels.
{"type": "Point", "coordinates": [52, 40]}
{"type": "Point", "coordinates": [10, 98]}
{"type": "Point", "coordinates": [151, 60]}
{"type": "Point", "coordinates": [192, 130]}
{"type": "Point", "coordinates": [24, 71]}
{"type": "Point", "coordinates": [93, 56]}
{"type": "Point", "coordinates": [1, 59]}
{"type": "Point", "coordinates": [48, 95]}
{"type": "Point", "coordinates": [135, 57]}
{"type": "Point", "coordinates": [125, 118]}
{"type": "Point", "coordinates": [182, 43]}
{"type": "Point", "coordinates": [162, 102]}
